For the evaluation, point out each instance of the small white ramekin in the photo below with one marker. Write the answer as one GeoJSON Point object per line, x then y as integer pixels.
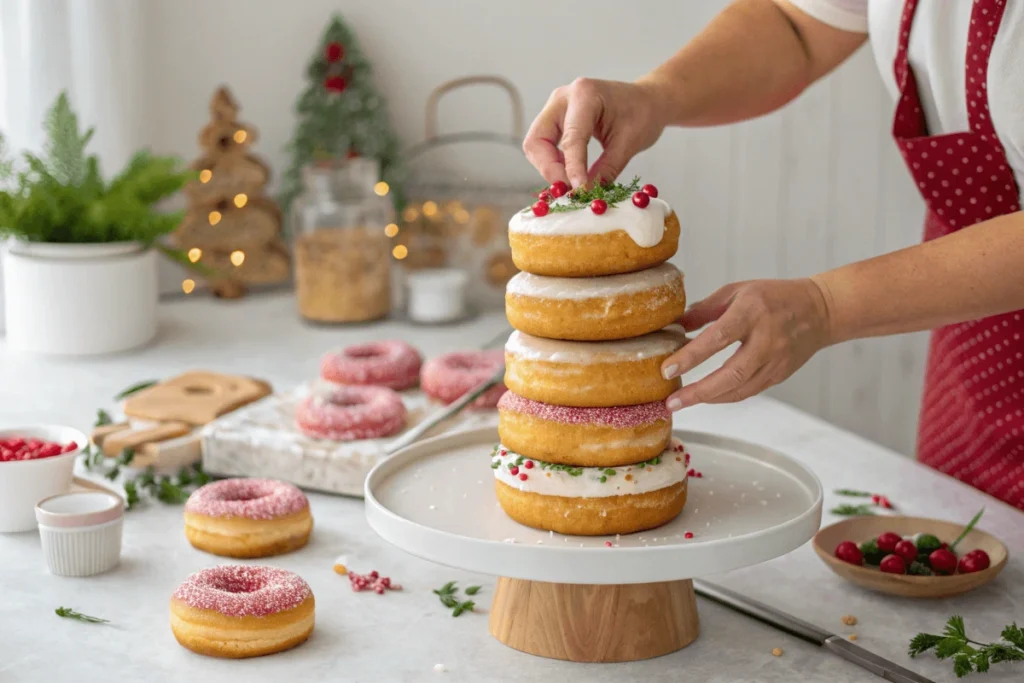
{"type": "Point", "coordinates": [81, 532]}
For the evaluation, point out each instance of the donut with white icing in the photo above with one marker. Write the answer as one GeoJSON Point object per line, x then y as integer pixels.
{"type": "Point", "coordinates": [591, 374]}
{"type": "Point", "coordinates": [598, 308]}
{"type": "Point", "coordinates": [581, 243]}
{"type": "Point", "coordinates": [247, 518]}
{"type": "Point", "coordinates": [238, 611]}
{"type": "Point", "coordinates": [591, 501]}
{"type": "Point", "coordinates": [583, 437]}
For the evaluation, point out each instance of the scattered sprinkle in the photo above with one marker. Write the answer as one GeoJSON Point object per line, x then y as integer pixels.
{"type": "Point", "coordinates": [852, 636]}
{"type": "Point", "coordinates": [688, 535]}
{"type": "Point", "coordinates": [777, 652]}
{"type": "Point", "coordinates": [510, 540]}
{"type": "Point", "coordinates": [607, 544]}
{"type": "Point", "coordinates": [849, 620]}
{"type": "Point", "coordinates": [433, 507]}
{"type": "Point", "coordinates": [372, 581]}
{"type": "Point", "coordinates": [440, 668]}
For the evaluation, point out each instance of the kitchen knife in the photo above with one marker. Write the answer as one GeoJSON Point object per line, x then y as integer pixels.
{"type": "Point", "coordinates": [809, 633]}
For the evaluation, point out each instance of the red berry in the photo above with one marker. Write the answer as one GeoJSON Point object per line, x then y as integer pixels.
{"type": "Point", "coordinates": [943, 561]}
{"type": "Point", "coordinates": [607, 544]}
{"type": "Point", "coordinates": [15, 444]}
{"type": "Point", "coordinates": [69, 447]}
{"type": "Point", "coordinates": [981, 557]}
{"type": "Point", "coordinates": [700, 475]}
{"type": "Point", "coordinates": [641, 200]}
{"type": "Point", "coordinates": [691, 472]}
{"type": "Point", "coordinates": [523, 477]}
{"type": "Point", "coordinates": [599, 206]}
{"type": "Point", "coordinates": [649, 190]}
{"type": "Point", "coordinates": [386, 582]}
{"type": "Point", "coordinates": [907, 550]}
{"type": "Point", "coordinates": [969, 564]}
{"type": "Point", "coordinates": [374, 574]}
{"type": "Point", "coordinates": [688, 534]}
{"type": "Point", "coordinates": [49, 450]}
{"type": "Point", "coordinates": [540, 208]}
{"type": "Point", "coordinates": [943, 545]}
{"type": "Point", "coordinates": [875, 498]}
{"type": "Point", "coordinates": [544, 196]}
{"type": "Point", "coordinates": [887, 541]}
{"type": "Point", "coordinates": [847, 551]}
{"type": "Point", "coordinates": [893, 564]}
{"type": "Point", "coordinates": [514, 470]}
{"type": "Point", "coordinates": [558, 188]}
{"type": "Point", "coordinates": [528, 464]}
{"type": "Point", "coordinates": [884, 502]}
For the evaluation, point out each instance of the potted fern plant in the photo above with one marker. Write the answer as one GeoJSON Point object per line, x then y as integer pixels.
{"type": "Point", "coordinates": [80, 269]}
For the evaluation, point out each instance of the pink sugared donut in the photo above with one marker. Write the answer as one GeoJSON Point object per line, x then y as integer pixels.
{"type": "Point", "coordinates": [584, 437]}
{"type": "Point", "coordinates": [350, 413]}
{"type": "Point", "coordinates": [247, 518]}
{"type": "Point", "coordinates": [242, 611]}
{"type": "Point", "coordinates": [448, 377]}
{"type": "Point", "coordinates": [392, 364]}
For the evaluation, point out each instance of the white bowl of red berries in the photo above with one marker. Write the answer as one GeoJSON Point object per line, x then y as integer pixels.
{"type": "Point", "coordinates": [35, 462]}
{"type": "Point", "coordinates": [911, 556]}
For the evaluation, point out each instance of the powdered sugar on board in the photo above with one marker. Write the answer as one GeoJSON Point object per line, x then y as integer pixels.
{"type": "Point", "coordinates": [262, 440]}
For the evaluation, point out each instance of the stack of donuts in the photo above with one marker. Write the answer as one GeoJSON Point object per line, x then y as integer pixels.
{"type": "Point", "coordinates": [586, 445]}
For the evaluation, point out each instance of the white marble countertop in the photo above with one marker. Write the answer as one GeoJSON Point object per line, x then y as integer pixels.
{"type": "Point", "coordinates": [401, 636]}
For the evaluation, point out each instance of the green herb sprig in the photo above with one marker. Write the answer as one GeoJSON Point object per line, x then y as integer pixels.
{"type": "Point", "coordinates": [581, 197]}
{"type": "Point", "coordinates": [967, 530]}
{"type": "Point", "coordinates": [448, 594]}
{"type": "Point", "coordinates": [69, 613]}
{"type": "Point", "coordinates": [853, 493]}
{"type": "Point", "coordinates": [125, 393]}
{"type": "Point", "coordinates": [968, 655]}
{"type": "Point", "coordinates": [846, 510]}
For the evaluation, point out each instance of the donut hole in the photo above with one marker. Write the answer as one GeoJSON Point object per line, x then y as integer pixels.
{"type": "Point", "coordinates": [237, 583]}
{"type": "Point", "coordinates": [470, 363]}
{"type": "Point", "coordinates": [245, 493]}
{"type": "Point", "coordinates": [364, 352]}
{"type": "Point", "coordinates": [344, 400]}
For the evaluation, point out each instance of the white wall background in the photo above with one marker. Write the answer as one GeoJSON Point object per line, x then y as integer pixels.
{"type": "Point", "coordinates": [816, 185]}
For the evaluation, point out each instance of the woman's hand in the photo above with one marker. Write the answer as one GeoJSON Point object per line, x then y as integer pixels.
{"type": "Point", "coordinates": [779, 323]}
{"type": "Point", "coordinates": [626, 118]}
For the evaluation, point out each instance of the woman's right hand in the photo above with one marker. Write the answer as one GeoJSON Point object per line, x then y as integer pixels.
{"type": "Point", "coordinates": [626, 118]}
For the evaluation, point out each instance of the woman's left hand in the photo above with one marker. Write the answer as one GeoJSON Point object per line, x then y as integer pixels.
{"type": "Point", "coordinates": [779, 323]}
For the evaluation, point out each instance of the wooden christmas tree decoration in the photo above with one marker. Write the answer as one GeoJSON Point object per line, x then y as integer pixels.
{"type": "Point", "coordinates": [231, 226]}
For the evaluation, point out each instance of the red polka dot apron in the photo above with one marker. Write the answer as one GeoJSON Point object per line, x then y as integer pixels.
{"type": "Point", "coordinates": [972, 424]}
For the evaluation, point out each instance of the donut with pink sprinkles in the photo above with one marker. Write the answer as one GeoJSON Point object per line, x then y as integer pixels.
{"type": "Point", "coordinates": [446, 378]}
{"type": "Point", "coordinates": [351, 413]}
{"type": "Point", "coordinates": [393, 364]}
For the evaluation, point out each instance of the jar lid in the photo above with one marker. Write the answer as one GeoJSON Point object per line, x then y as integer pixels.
{"type": "Point", "coordinates": [79, 509]}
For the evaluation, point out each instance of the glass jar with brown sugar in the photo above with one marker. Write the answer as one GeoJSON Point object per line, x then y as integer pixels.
{"type": "Point", "coordinates": [342, 254]}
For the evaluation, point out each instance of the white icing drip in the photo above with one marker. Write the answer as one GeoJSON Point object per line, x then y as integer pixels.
{"type": "Point", "coordinates": [644, 226]}
{"type": "Point", "coordinates": [542, 286]}
{"type": "Point", "coordinates": [660, 343]}
{"type": "Point", "coordinates": [588, 484]}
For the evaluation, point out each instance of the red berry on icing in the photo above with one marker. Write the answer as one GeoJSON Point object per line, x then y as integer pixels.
{"type": "Point", "coordinates": [688, 534]}
{"type": "Point", "coordinates": [907, 550]}
{"type": "Point", "coordinates": [641, 200]}
{"type": "Point", "coordinates": [558, 188]}
{"type": "Point", "coordinates": [514, 470]}
{"type": "Point", "coordinates": [893, 564]}
{"type": "Point", "coordinates": [540, 208]}
{"type": "Point", "coordinates": [528, 464]}
{"type": "Point", "coordinates": [982, 558]}
{"type": "Point", "coordinates": [599, 206]}
{"type": "Point", "coordinates": [943, 561]}
{"type": "Point", "coordinates": [847, 551]}
{"type": "Point", "coordinates": [649, 190]}
{"type": "Point", "coordinates": [887, 541]}
{"type": "Point", "coordinates": [523, 477]}
{"type": "Point", "coordinates": [544, 196]}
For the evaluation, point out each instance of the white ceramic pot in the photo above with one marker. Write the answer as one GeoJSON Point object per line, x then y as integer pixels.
{"type": "Point", "coordinates": [79, 299]}
{"type": "Point", "coordinates": [24, 483]}
{"type": "Point", "coordinates": [81, 532]}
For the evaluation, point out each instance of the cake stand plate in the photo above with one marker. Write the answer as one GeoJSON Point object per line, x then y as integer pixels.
{"type": "Point", "coordinates": [573, 597]}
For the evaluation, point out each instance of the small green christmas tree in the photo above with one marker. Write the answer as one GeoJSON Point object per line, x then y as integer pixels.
{"type": "Point", "coordinates": [341, 115]}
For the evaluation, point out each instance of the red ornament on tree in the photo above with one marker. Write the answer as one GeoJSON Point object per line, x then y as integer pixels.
{"type": "Point", "coordinates": [351, 154]}
{"type": "Point", "coordinates": [334, 52]}
{"type": "Point", "coordinates": [335, 84]}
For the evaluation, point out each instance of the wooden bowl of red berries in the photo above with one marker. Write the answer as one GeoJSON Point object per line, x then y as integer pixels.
{"type": "Point", "coordinates": [912, 557]}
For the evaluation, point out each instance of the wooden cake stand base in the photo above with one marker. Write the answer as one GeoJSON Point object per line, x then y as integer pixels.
{"type": "Point", "coordinates": [595, 623]}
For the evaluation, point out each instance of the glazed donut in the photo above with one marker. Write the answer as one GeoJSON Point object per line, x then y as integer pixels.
{"type": "Point", "coordinates": [350, 413]}
{"type": "Point", "coordinates": [584, 437]}
{"type": "Point", "coordinates": [242, 611]}
{"type": "Point", "coordinates": [391, 364]}
{"type": "Point", "coordinates": [591, 374]}
{"type": "Point", "coordinates": [581, 243]}
{"type": "Point", "coordinates": [247, 518]}
{"type": "Point", "coordinates": [448, 377]}
{"type": "Point", "coordinates": [596, 309]}
{"type": "Point", "coordinates": [591, 501]}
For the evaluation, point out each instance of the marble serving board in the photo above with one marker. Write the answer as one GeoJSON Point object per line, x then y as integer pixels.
{"type": "Point", "coordinates": [262, 440]}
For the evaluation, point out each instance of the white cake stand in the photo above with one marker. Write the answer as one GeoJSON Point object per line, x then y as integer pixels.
{"type": "Point", "coordinates": [573, 597]}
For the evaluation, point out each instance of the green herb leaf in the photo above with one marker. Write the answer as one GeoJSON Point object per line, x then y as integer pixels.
{"type": "Point", "coordinates": [170, 493]}
{"type": "Point", "coordinates": [472, 590]}
{"type": "Point", "coordinates": [1011, 634]}
{"type": "Point", "coordinates": [113, 472]}
{"type": "Point", "coordinates": [69, 613]}
{"type": "Point", "coordinates": [968, 655]}
{"type": "Point", "coordinates": [955, 628]}
{"type": "Point", "coordinates": [449, 601]}
{"type": "Point", "coordinates": [446, 589]}
{"type": "Point", "coordinates": [923, 642]}
{"type": "Point", "coordinates": [457, 611]}
{"type": "Point", "coordinates": [967, 530]}
{"type": "Point", "coordinates": [962, 665]}
{"type": "Point", "coordinates": [134, 388]}
{"type": "Point", "coordinates": [853, 493]}
{"type": "Point", "coordinates": [131, 493]}
{"type": "Point", "coordinates": [852, 510]}
{"type": "Point", "coordinates": [919, 569]}
{"type": "Point", "coordinates": [103, 418]}
{"type": "Point", "coordinates": [126, 457]}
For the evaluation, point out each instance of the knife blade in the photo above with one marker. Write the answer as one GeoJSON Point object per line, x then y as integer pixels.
{"type": "Point", "coordinates": [808, 632]}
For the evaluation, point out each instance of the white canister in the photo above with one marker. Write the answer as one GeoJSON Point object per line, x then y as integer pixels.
{"type": "Point", "coordinates": [79, 299]}
{"type": "Point", "coordinates": [436, 295]}
{"type": "Point", "coordinates": [81, 532]}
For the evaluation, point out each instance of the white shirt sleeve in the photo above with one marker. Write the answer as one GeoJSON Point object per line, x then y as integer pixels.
{"type": "Point", "coordinates": [846, 15]}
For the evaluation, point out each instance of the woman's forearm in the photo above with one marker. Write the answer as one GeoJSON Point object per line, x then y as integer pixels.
{"type": "Point", "coordinates": [973, 273]}
{"type": "Point", "coordinates": [754, 57]}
